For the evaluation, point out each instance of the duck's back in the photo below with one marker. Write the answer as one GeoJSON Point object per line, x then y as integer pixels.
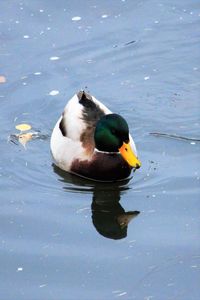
{"type": "Point", "coordinates": [81, 113]}
{"type": "Point", "coordinates": [73, 135]}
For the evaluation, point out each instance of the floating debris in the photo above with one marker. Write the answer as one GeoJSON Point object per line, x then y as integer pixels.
{"type": "Point", "coordinates": [24, 138]}
{"type": "Point", "coordinates": [42, 285]}
{"type": "Point", "coordinates": [54, 93]}
{"type": "Point", "coordinates": [54, 58]}
{"type": "Point", "coordinates": [122, 294]}
{"type": "Point", "coordinates": [2, 79]}
{"type": "Point", "coordinates": [25, 135]}
{"type": "Point", "coordinates": [124, 44]}
{"type": "Point", "coordinates": [104, 16]}
{"type": "Point", "coordinates": [76, 18]}
{"type": "Point", "coordinates": [129, 43]}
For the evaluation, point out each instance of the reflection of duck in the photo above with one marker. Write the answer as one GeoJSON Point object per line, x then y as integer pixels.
{"type": "Point", "coordinates": [108, 216]}
{"type": "Point", "coordinates": [92, 142]}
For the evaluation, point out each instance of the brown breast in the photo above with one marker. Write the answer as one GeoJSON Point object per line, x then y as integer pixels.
{"type": "Point", "coordinates": [102, 167]}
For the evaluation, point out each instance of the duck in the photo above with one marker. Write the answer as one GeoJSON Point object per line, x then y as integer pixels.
{"type": "Point", "coordinates": [90, 141]}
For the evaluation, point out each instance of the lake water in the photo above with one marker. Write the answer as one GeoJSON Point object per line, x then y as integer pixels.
{"type": "Point", "coordinates": [59, 238]}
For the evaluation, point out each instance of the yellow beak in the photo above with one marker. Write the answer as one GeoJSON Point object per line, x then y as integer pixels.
{"type": "Point", "coordinates": [129, 156]}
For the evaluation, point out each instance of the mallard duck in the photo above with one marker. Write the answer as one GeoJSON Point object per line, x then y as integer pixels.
{"type": "Point", "coordinates": [90, 141]}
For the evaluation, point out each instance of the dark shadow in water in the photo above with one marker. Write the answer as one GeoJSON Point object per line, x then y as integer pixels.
{"type": "Point", "coordinates": [108, 216]}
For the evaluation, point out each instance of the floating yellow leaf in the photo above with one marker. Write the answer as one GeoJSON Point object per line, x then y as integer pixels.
{"type": "Point", "coordinates": [23, 127]}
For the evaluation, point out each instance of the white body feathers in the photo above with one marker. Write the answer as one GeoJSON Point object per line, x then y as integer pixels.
{"type": "Point", "coordinates": [66, 149]}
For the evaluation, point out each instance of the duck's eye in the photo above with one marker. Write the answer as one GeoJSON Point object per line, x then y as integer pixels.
{"type": "Point", "coordinates": [113, 131]}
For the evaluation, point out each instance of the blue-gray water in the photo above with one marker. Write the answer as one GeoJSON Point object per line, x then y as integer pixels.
{"type": "Point", "coordinates": [142, 59]}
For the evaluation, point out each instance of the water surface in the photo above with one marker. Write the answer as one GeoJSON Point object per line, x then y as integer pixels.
{"type": "Point", "coordinates": [59, 237]}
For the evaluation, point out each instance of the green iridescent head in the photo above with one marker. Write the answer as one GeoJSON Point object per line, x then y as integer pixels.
{"type": "Point", "coordinates": [112, 135]}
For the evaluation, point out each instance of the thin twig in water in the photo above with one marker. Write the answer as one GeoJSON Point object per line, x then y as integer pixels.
{"type": "Point", "coordinates": [174, 136]}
